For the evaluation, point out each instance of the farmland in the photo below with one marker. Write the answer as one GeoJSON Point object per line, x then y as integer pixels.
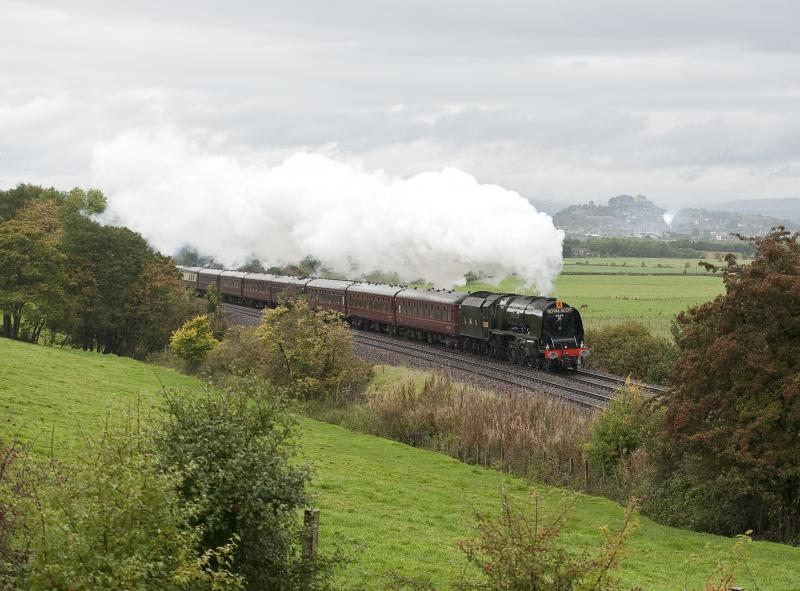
{"type": "Point", "coordinates": [635, 266]}
{"type": "Point", "coordinates": [614, 290]}
{"type": "Point", "coordinates": [405, 506]}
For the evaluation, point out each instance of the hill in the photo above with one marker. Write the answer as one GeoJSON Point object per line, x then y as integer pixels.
{"type": "Point", "coordinates": [627, 216]}
{"type": "Point", "coordinates": [788, 209]}
{"type": "Point", "coordinates": [406, 506]}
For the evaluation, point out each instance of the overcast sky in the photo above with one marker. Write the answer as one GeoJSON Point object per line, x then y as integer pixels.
{"type": "Point", "coordinates": [684, 101]}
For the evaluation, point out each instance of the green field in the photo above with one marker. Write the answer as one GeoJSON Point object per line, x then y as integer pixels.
{"type": "Point", "coordinates": [48, 393]}
{"type": "Point", "coordinates": [407, 507]}
{"type": "Point", "coordinates": [650, 299]}
{"type": "Point", "coordinates": [611, 298]}
{"type": "Point", "coordinates": [636, 266]}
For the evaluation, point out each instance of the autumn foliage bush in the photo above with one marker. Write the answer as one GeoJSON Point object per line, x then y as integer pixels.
{"type": "Point", "coordinates": [192, 341]}
{"type": "Point", "coordinates": [310, 352]}
{"type": "Point", "coordinates": [732, 423]}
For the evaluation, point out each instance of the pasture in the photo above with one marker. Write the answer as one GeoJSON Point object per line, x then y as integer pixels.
{"type": "Point", "coordinates": [636, 266]}
{"type": "Point", "coordinates": [609, 293]}
{"type": "Point", "coordinates": [405, 507]}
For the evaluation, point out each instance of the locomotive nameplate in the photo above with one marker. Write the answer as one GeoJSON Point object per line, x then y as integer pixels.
{"type": "Point", "coordinates": [567, 310]}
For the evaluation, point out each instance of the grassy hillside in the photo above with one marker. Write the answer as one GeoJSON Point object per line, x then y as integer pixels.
{"type": "Point", "coordinates": [48, 393]}
{"type": "Point", "coordinates": [406, 506]}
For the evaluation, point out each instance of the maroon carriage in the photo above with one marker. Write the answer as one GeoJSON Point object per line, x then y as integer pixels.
{"type": "Point", "coordinates": [371, 305]}
{"type": "Point", "coordinates": [429, 313]}
{"type": "Point", "coordinates": [206, 277]}
{"type": "Point", "coordinates": [230, 285]}
{"type": "Point", "coordinates": [288, 287]}
{"type": "Point", "coordinates": [329, 294]}
{"type": "Point", "coordinates": [257, 289]}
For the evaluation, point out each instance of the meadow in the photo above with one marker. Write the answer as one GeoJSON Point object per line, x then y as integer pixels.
{"type": "Point", "coordinates": [404, 507]}
{"type": "Point", "coordinates": [609, 293]}
{"type": "Point", "coordinates": [636, 266]}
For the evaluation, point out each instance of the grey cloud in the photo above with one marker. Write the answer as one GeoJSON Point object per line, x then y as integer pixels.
{"type": "Point", "coordinates": [555, 100]}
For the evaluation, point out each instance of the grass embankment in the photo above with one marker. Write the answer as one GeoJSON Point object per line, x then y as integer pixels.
{"type": "Point", "coordinates": [407, 506]}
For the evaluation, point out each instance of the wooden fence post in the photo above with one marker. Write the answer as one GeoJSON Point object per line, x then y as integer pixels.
{"type": "Point", "coordinates": [310, 532]}
{"type": "Point", "coordinates": [586, 473]}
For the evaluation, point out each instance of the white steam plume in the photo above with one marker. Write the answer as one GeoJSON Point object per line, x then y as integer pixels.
{"type": "Point", "coordinates": [437, 225]}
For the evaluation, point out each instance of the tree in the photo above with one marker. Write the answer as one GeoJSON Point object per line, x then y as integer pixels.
{"type": "Point", "coordinates": [189, 256]}
{"type": "Point", "coordinates": [192, 341]}
{"type": "Point", "coordinates": [734, 459]}
{"type": "Point", "coordinates": [84, 203]}
{"type": "Point", "coordinates": [15, 200]}
{"type": "Point", "coordinates": [32, 268]}
{"type": "Point", "coordinates": [110, 262]}
{"type": "Point", "coordinates": [159, 305]}
{"type": "Point", "coordinates": [252, 265]}
{"type": "Point", "coordinates": [308, 267]}
{"type": "Point", "coordinates": [101, 286]}
{"type": "Point", "coordinates": [310, 351]}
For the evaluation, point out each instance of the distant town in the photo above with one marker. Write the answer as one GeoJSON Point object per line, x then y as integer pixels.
{"type": "Point", "coordinates": [629, 216]}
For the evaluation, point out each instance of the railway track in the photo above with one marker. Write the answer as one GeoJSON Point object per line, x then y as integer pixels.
{"type": "Point", "coordinates": [617, 381]}
{"type": "Point", "coordinates": [588, 396]}
{"type": "Point", "coordinates": [588, 388]}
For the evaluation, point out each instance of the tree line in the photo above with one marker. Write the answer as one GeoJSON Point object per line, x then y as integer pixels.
{"type": "Point", "coordinates": [651, 248]}
{"type": "Point", "coordinates": [66, 278]}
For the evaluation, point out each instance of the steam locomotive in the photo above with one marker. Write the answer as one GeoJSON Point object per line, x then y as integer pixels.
{"type": "Point", "coordinates": [540, 332]}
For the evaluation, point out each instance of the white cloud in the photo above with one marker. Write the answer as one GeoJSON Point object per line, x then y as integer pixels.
{"type": "Point", "coordinates": [436, 224]}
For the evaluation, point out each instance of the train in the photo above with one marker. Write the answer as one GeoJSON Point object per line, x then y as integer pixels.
{"type": "Point", "coordinates": [540, 332]}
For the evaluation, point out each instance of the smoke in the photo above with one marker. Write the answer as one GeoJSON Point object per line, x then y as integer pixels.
{"type": "Point", "coordinates": [437, 224]}
{"type": "Point", "coordinates": [668, 217]}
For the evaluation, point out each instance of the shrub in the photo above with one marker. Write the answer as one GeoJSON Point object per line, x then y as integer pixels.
{"type": "Point", "coordinates": [521, 550]}
{"type": "Point", "coordinates": [310, 352]}
{"type": "Point", "coordinates": [192, 341]}
{"type": "Point", "coordinates": [240, 354]}
{"type": "Point", "coordinates": [18, 477]}
{"type": "Point", "coordinates": [629, 349]}
{"type": "Point", "coordinates": [234, 455]}
{"type": "Point", "coordinates": [108, 521]}
{"type": "Point", "coordinates": [520, 433]}
{"type": "Point", "coordinates": [626, 424]}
